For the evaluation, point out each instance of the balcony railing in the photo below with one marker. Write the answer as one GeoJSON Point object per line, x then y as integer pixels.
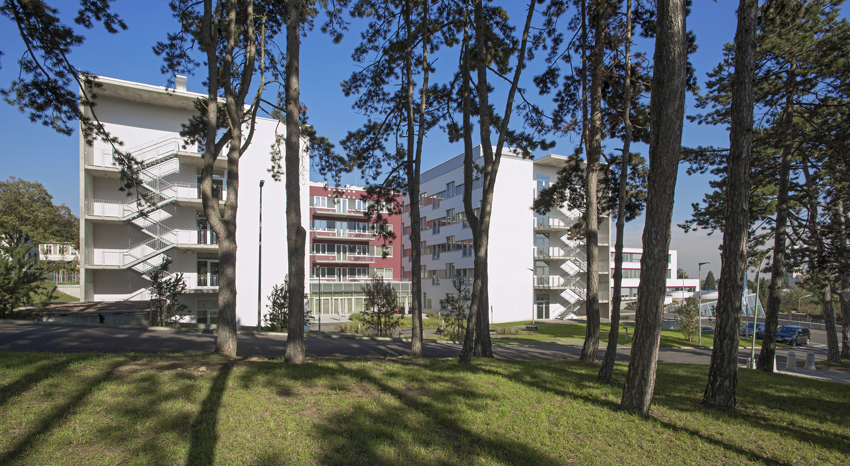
{"type": "Point", "coordinates": [550, 253]}
{"type": "Point", "coordinates": [549, 281]}
{"type": "Point", "coordinates": [345, 234]}
{"type": "Point", "coordinates": [344, 259]}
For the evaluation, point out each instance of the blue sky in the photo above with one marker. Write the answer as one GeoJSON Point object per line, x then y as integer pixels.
{"type": "Point", "coordinates": [36, 153]}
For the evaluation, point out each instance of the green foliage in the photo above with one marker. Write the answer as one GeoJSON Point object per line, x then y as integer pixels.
{"type": "Point", "coordinates": [19, 278]}
{"type": "Point", "coordinates": [506, 330]}
{"type": "Point", "coordinates": [681, 273]}
{"type": "Point", "coordinates": [27, 213]}
{"type": "Point", "coordinates": [457, 304]}
{"type": "Point", "coordinates": [688, 318]}
{"type": "Point", "coordinates": [277, 319]}
{"type": "Point", "coordinates": [380, 305]}
{"type": "Point", "coordinates": [166, 290]}
{"type": "Point", "coordinates": [432, 315]}
{"type": "Point", "coordinates": [710, 282]}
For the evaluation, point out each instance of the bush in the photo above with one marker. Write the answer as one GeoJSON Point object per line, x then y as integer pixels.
{"type": "Point", "coordinates": [432, 315]}
{"type": "Point", "coordinates": [381, 303]}
{"type": "Point", "coordinates": [688, 318]}
{"type": "Point", "coordinates": [457, 304]}
{"type": "Point", "coordinates": [277, 319]}
{"type": "Point", "coordinates": [504, 330]}
{"type": "Point", "coordinates": [166, 290]}
{"type": "Point", "coordinates": [356, 317]}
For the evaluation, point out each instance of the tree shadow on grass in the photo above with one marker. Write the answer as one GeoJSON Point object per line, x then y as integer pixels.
{"type": "Point", "coordinates": [417, 424]}
{"type": "Point", "coordinates": [42, 371]}
{"type": "Point", "coordinates": [55, 417]}
{"type": "Point", "coordinates": [204, 436]}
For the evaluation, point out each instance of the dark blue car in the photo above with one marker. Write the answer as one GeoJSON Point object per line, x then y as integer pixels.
{"type": "Point", "coordinates": [748, 330]}
{"type": "Point", "coordinates": [793, 335]}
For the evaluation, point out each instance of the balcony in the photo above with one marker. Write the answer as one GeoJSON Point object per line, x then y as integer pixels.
{"type": "Point", "coordinates": [549, 282]}
{"type": "Point", "coordinates": [332, 212]}
{"type": "Point", "coordinates": [551, 224]}
{"type": "Point", "coordinates": [342, 259]}
{"type": "Point", "coordinates": [551, 253]}
{"type": "Point", "coordinates": [342, 234]}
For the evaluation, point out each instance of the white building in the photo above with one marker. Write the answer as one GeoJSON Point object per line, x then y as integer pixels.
{"type": "Point", "coordinates": [535, 270]}
{"type": "Point", "coordinates": [119, 244]}
{"type": "Point", "coordinates": [677, 288]}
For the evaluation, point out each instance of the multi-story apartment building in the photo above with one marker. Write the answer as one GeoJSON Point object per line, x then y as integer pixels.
{"type": "Point", "coordinates": [120, 242]}
{"type": "Point", "coordinates": [676, 287]}
{"type": "Point", "coordinates": [535, 268]}
{"type": "Point", "coordinates": [347, 249]}
{"type": "Point", "coordinates": [65, 256]}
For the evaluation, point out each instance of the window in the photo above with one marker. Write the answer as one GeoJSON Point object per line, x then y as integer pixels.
{"type": "Point", "coordinates": [318, 201]}
{"type": "Point", "coordinates": [48, 249]}
{"type": "Point", "coordinates": [450, 270]}
{"type": "Point", "coordinates": [542, 182]}
{"type": "Point", "coordinates": [207, 311]}
{"type": "Point", "coordinates": [426, 301]}
{"type": "Point", "coordinates": [387, 251]}
{"type": "Point", "coordinates": [388, 274]}
{"type": "Point", "coordinates": [450, 215]}
{"type": "Point", "coordinates": [450, 189]}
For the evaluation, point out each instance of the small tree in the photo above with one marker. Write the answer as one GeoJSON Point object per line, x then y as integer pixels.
{"type": "Point", "coordinates": [277, 320]}
{"type": "Point", "coordinates": [19, 278]}
{"type": "Point", "coordinates": [688, 318]}
{"type": "Point", "coordinates": [166, 291]}
{"type": "Point", "coordinates": [381, 302]}
{"type": "Point", "coordinates": [457, 304]}
{"type": "Point", "coordinates": [710, 282]}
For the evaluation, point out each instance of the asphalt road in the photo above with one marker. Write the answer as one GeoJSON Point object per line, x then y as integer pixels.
{"type": "Point", "coordinates": [25, 336]}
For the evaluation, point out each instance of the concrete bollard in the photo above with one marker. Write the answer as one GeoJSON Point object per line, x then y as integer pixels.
{"type": "Point", "coordinates": [791, 362]}
{"type": "Point", "coordinates": [810, 362]}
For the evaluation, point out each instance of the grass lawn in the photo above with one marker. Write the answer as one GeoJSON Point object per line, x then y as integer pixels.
{"type": "Point", "coordinates": [573, 334]}
{"type": "Point", "coordinates": [92, 409]}
{"type": "Point", "coordinates": [60, 296]}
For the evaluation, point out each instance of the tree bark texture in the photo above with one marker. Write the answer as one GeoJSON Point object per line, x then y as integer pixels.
{"type": "Point", "coordinates": [722, 386]}
{"type": "Point", "coordinates": [414, 157]}
{"type": "Point", "coordinates": [607, 369]}
{"type": "Point", "coordinates": [591, 215]}
{"type": "Point", "coordinates": [667, 110]}
{"type": "Point", "coordinates": [844, 299]}
{"type": "Point", "coordinates": [832, 354]}
{"type": "Point", "coordinates": [468, 174]}
{"type": "Point", "coordinates": [296, 236]}
{"type": "Point", "coordinates": [777, 273]}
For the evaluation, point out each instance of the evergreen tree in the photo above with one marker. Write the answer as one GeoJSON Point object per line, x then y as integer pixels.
{"type": "Point", "coordinates": [166, 290]}
{"type": "Point", "coordinates": [667, 108]}
{"type": "Point", "coordinates": [19, 278]}
{"type": "Point", "coordinates": [710, 282]}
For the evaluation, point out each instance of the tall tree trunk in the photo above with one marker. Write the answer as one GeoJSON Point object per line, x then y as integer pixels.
{"type": "Point", "coordinates": [832, 354]}
{"type": "Point", "coordinates": [667, 111]}
{"type": "Point", "coordinates": [477, 341]}
{"type": "Point", "coordinates": [607, 369]}
{"type": "Point", "coordinates": [414, 157]}
{"type": "Point", "coordinates": [722, 386]}
{"type": "Point", "coordinates": [844, 292]}
{"type": "Point", "coordinates": [777, 273]}
{"type": "Point", "coordinates": [468, 174]}
{"type": "Point", "coordinates": [591, 338]}
{"type": "Point", "coordinates": [296, 236]}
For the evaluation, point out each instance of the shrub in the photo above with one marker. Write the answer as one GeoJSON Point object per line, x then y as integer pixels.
{"type": "Point", "coordinates": [457, 304]}
{"type": "Point", "coordinates": [432, 315]}
{"type": "Point", "coordinates": [277, 319]}
{"type": "Point", "coordinates": [381, 303]}
{"type": "Point", "coordinates": [166, 290]}
{"type": "Point", "coordinates": [687, 318]}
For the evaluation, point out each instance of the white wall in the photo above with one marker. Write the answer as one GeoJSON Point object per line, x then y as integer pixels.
{"type": "Point", "coordinates": [253, 167]}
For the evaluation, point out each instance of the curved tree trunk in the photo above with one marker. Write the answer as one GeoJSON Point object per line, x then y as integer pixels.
{"type": "Point", "coordinates": [591, 215]}
{"type": "Point", "coordinates": [777, 273]}
{"type": "Point", "coordinates": [607, 369]}
{"type": "Point", "coordinates": [722, 386]}
{"type": "Point", "coordinates": [296, 236]}
{"type": "Point", "coordinates": [667, 111]}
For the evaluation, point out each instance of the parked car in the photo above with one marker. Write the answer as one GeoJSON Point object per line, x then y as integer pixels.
{"type": "Point", "coordinates": [748, 330]}
{"type": "Point", "coordinates": [793, 335]}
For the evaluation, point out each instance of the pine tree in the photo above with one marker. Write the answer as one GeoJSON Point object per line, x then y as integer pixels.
{"type": "Point", "coordinates": [667, 108]}
{"type": "Point", "coordinates": [710, 282]}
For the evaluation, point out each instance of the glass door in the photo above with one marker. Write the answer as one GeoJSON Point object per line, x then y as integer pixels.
{"type": "Point", "coordinates": [543, 306]}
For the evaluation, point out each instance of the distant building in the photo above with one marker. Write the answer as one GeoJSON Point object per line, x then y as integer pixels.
{"type": "Point", "coordinates": [677, 288]}
{"type": "Point", "coordinates": [535, 269]}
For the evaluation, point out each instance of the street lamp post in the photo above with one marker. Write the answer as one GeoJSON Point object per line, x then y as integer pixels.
{"type": "Point", "coordinates": [756, 310]}
{"type": "Point", "coordinates": [532, 292]}
{"type": "Point", "coordinates": [699, 307]}
{"type": "Point", "coordinates": [260, 263]}
{"type": "Point", "coordinates": [799, 300]}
